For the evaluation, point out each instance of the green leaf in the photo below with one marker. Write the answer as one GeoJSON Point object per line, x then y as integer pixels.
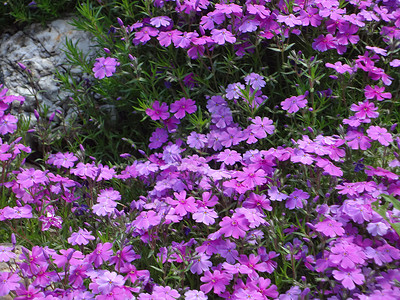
{"type": "Point", "coordinates": [393, 200]}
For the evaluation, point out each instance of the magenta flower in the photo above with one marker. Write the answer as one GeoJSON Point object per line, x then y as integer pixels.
{"type": "Point", "coordinates": [330, 228]}
{"type": "Point", "coordinates": [252, 176]}
{"type": "Point", "coordinates": [255, 80]}
{"type": "Point", "coordinates": [161, 21]}
{"type": "Point", "coordinates": [8, 282]}
{"type": "Point", "coordinates": [365, 110]}
{"type": "Point", "coordinates": [349, 277]}
{"type": "Point", "coordinates": [167, 293]}
{"type": "Point", "coordinates": [183, 106]}
{"type": "Point", "coordinates": [324, 43]}
{"type": "Point", "coordinates": [294, 103]}
{"type": "Point", "coordinates": [217, 281]}
{"type": "Point", "coordinates": [235, 226]}
{"type": "Point", "coordinates": [8, 124]}
{"type": "Point", "coordinates": [376, 92]}
{"type": "Point", "coordinates": [347, 255]}
{"type": "Point", "coordinates": [65, 160]}
{"type": "Point", "coordinates": [29, 177]}
{"type": "Point", "coordinates": [101, 254]}
{"type": "Point", "coordinates": [82, 237]}
{"type": "Point", "coordinates": [196, 140]}
{"type": "Point", "coordinates": [104, 67]}
{"type": "Point", "coordinates": [275, 195]}
{"type": "Point", "coordinates": [144, 35]}
{"type": "Point", "coordinates": [262, 127]}
{"type": "Point", "coordinates": [183, 205]}
{"type": "Point", "coordinates": [157, 111]}
{"type": "Point", "coordinates": [380, 134]}
{"type": "Point", "coordinates": [195, 295]}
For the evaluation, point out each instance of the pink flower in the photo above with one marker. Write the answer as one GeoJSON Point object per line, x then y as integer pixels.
{"type": "Point", "coordinates": [101, 254]}
{"type": "Point", "coordinates": [147, 219]}
{"type": "Point", "coordinates": [380, 134]}
{"type": "Point", "coordinates": [349, 277]}
{"type": "Point", "coordinates": [82, 237]}
{"type": "Point", "coordinates": [183, 106]}
{"type": "Point", "coordinates": [200, 264]}
{"type": "Point", "coordinates": [220, 36]}
{"type": "Point", "coordinates": [160, 21]}
{"type": "Point", "coordinates": [205, 215]}
{"type": "Point", "coordinates": [357, 140]}
{"type": "Point", "coordinates": [104, 67]}
{"type": "Point", "coordinates": [340, 68]}
{"type": "Point", "coordinates": [217, 280]}
{"type": "Point", "coordinates": [8, 124]}
{"type": "Point", "coordinates": [294, 103]}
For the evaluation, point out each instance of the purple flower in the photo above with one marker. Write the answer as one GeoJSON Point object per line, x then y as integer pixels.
{"type": "Point", "coordinates": [294, 103]}
{"type": "Point", "coordinates": [160, 21]}
{"type": "Point", "coordinates": [104, 67]}
{"type": "Point", "coordinates": [196, 140]}
{"type": "Point", "coordinates": [349, 277]}
{"type": "Point", "coordinates": [220, 36]}
{"type": "Point", "coordinates": [233, 90]}
{"type": "Point", "coordinates": [296, 199]}
{"type": "Point", "coordinates": [330, 228]}
{"type": "Point", "coordinates": [108, 280]}
{"type": "Point", "coordinates": [195, 295]}
{"type": "Point", "coordinates": [159, 137]}
{"type": "Point", "coordinates": [347, 255]}
{"type": "Point", "coordinates": [324, 43]}
{"type": "Point", "coordinates": [255, 80]}
{"type": "Point", "coordinates": [82, 237]}
{"type": "Point", "coordinates": [200, 264]}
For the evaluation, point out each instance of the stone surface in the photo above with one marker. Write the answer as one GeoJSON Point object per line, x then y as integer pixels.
{"type": "Point", "coordinates": [40, 48]}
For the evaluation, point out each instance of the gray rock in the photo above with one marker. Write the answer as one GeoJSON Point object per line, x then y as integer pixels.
{"type": "Point", "coordinates": [40, 48]}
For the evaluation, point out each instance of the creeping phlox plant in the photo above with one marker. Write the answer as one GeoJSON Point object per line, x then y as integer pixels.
{"type": "Point", "coordinates": [255, 201]}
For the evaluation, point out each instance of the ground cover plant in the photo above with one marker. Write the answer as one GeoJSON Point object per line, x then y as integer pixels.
{"type": "Point", "coordinates": [260, 157]}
